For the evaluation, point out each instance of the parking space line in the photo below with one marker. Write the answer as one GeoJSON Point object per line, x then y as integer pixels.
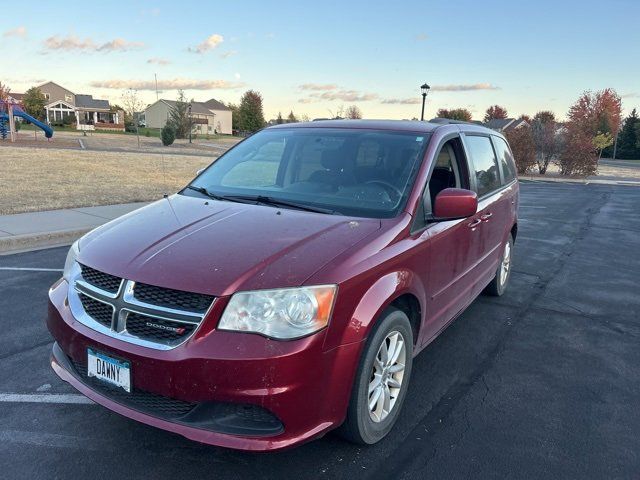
{"type": "Point", "coordinates": [67, 398]}
{"type": "Point", "coordinates": [28, 269]}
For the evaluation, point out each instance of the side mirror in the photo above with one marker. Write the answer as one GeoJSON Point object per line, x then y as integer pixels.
{"type": "Point", "coordinates": [455, 203]}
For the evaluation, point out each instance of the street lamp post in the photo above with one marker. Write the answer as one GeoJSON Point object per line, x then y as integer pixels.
{"type": "Point", "coordinates": [190, 123]}
{"type": "Point", "coordinates": [425, 89]}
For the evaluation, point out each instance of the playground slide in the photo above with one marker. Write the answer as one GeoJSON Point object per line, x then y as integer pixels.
{"type": "Point", "coordinates": [48, 131]}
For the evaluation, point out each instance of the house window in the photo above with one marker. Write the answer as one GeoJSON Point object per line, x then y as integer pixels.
{"type": "Point", "coordinates": [68, 98]}
{"type": "Point", "coordinates": [46, 95]}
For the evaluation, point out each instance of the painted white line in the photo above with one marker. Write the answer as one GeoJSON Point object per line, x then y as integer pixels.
{"type": "Point", "coordinates": [81, 144]}
{"type": "Point", "coordinates": [69, 398]}
{"type": "Point", "coordinates": [19, 269]}
{"type": "Point", "coordinates": [531, 206]}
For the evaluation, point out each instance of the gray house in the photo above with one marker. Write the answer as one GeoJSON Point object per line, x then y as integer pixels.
{"type": "Point", "coordinates": [89, 113]}
{"type": "Point", "coordinates": [505, 124]}
{"type": "Point", "coordinates": [208, 117]}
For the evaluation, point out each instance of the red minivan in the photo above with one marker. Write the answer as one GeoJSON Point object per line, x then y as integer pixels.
{"type": "Point", "coordinates": [286, 290]}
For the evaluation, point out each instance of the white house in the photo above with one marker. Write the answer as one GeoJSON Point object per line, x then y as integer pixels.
{"type": "Point", "coordinates": [208, 117]}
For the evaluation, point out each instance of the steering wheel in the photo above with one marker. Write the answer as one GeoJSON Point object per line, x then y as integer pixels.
{"type": "Point", "coordinates": [389, 187]}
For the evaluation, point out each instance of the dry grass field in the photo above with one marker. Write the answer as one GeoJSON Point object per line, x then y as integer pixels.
{"type": "Point", "coordinates": [35, 179]}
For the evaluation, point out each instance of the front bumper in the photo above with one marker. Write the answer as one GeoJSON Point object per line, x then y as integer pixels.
{"type": "Point", "coordinates": [295, 390]}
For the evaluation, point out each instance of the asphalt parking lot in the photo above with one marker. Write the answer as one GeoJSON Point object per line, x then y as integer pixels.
{"type": "Point", "coordinates": [541, 383]}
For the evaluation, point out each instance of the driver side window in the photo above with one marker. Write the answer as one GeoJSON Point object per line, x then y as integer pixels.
{"type": "Point", "coordinates": [448, 172]}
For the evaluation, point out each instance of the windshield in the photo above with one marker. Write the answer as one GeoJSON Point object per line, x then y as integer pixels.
{"type": "Point", "coordinates": [365, 173]}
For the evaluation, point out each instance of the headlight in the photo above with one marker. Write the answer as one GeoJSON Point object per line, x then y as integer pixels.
{"type": "Point", "coordinates": [71, 260]}
{"type": "Point", "coordinates": [284, 313]}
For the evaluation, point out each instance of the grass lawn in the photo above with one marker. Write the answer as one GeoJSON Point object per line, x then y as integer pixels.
{"type": "Point", "coordinates": [35, 179]}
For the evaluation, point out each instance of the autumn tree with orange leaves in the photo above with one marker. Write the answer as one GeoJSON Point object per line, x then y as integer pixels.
{"type": "Point", "coordinates": [495, 112]}
{"type": "Point", "coordinates": [593, 115]}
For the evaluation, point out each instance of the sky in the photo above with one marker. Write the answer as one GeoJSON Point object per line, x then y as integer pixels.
{"type": "Point", "coordinates": [314, 57]}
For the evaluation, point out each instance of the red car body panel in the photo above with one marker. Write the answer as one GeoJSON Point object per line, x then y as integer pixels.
{"type": "Point", "coordinates": [210, 247]}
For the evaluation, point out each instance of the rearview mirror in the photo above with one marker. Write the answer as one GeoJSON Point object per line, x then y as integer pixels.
{"type": "Point", "coordinates": [455, 203]}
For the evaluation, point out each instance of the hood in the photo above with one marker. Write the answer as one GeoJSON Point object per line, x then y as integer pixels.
{"type": "Point", "coordinates": [218, 248]}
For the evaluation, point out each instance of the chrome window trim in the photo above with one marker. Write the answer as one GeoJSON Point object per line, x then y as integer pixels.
{"type": "Point", "coordinates": [123, 303]}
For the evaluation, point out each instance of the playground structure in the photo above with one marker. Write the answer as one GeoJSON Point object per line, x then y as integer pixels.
{"type": "Point", "coordinates": [11, 109]}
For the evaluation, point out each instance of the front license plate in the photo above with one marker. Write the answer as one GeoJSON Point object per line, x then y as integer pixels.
{"type": "Point", "coordinates": [110, 370]}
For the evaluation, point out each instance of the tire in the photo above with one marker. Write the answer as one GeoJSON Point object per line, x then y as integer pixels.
{"type": "Point", "coordinates": [362, 425]}
{"type": "Point", "coordinates": [500, 281]}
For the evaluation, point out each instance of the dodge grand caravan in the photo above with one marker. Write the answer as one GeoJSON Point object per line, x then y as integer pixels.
{"type": "Point", "coordinates": [285, 291]}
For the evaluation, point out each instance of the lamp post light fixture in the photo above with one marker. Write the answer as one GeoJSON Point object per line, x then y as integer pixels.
{"type": "Point", "coordinates": [190, 123]}
{"type": "Point", "coordinates": [425, 89]}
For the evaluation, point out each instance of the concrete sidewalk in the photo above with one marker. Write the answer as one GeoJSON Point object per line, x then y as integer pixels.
{"type": "Point", "coordinates": [25, 231]}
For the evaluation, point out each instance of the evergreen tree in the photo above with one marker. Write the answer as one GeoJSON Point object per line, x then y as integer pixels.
{"type": "Point", "coordinates": [629, 138]}
{"type": "Point", "coordinates": [279, 120]}
{"type": "Point", "coordinates": [291, 118]}
{"type": "Point", "coordinates": [179, 117]}
{"type": "Point", "coordinates": [251, 114]}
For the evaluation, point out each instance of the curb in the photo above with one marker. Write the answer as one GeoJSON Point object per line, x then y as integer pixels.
{"type": "Point", "coordinates": [21, 243]}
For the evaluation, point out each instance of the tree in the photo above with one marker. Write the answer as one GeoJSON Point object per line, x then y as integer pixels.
{"type": "Point", "coordinates": [4, 92]}
{"type": "Point", "coordinates": [251, 113]}
{"type": "Point", "coordinates": [523, 148]}
{"type": "Point", "coordinates": [455, 114]}
{"type": "Point", "coordinates": [291, 118]}
{"type": "Point", "coordinates": [235, 116]}
{"type": "Point", "coordinates": [579, 157]}
{"type": "Point", "coordinates": [602, 141]}
{"type": "Point", "coordinates": [167, 134]}
{"type": "Point", "coordinates": [353, 112]}
{"type": "Point", "coordinates": [494, 112]}
{"type": "Point", "coordinates": [279, 120]}
{"type": "Point", "coordinates": [526, 118]}
{"type": "Point", "coordinates": [179, 116]}
{"type": "Point", "coordinates": [547, 139]}
{"type": "Point", "coordinates": [34, 102]}
{"type": "Point", "coordinates": [132, 106]}
{"type": "Point", "coordinates": [629, 138]}
{"type": "Point", "coordinates": [597, 112]}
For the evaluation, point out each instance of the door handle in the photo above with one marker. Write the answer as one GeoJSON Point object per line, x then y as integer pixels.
{"type": "Point", "coordinates": [486, 217]}
{"type": "Point", "coordinates": [475, 223]}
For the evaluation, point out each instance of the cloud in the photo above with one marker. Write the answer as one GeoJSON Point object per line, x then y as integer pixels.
{"type": "Point", "coordinates": [228, 54]}
{"type": "Point", "coordinates": [211, 42]}
{"type": "Point", "coordinates": [345, 96]}
{"type": "Point", "coordinates": [158, 61]}
{"type": "Point", "coordinates": [318, 86]}
{"type": "Point", "coordinates": [20, 31]}
{"type": "Point", "coordinates": [402, 101]}
{"type": "Point", "coordinates": [464, 88]}
{"type": "Point", "coordinates": [306, 100]}
{"type": "Point", "coordinates": [171, 84]}
{"type": "Point", "coordinates": [237, 76]}
{"type": "Point", "coordinates": [74, 43]}
{"type": "Point", "coordinates": [421, 37]}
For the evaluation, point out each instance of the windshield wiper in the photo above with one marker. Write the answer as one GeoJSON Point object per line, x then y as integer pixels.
{"type": "Point", "coordinates": [215, 196]}
{"type": "Point", "coordinates": [265, 200]}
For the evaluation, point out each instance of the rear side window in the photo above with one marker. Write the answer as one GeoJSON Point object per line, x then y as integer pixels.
{"type": "Point", "coordinates": [484, 163]}
{"type": "Point", "coordinates": [505, 158]}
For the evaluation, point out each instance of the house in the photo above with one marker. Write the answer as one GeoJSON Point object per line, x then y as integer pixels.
{"type": "Point", "coordinates": [89, 113]}
{"type": "Point", "coordinates": [505, 124]}
{"type": "Point", "coordinates": [208, 117]}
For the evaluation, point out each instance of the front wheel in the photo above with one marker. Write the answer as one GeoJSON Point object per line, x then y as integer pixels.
{"type": "Point", "coordinates": [499, 283]}
{"type": "Point", "coordinates": [381, 380]}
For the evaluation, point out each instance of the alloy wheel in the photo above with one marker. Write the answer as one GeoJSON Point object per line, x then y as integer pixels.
{"type": "Point", "coordinates": [387, 373]}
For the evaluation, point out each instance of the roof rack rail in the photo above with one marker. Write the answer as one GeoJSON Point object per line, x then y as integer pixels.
{"type": "Point", "coordinates": [448, 121]}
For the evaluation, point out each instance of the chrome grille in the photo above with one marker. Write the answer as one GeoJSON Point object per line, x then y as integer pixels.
{"type": "Point", "coordinates": [99, 311]}
{"type": "Point", "coordinates": [159, 318]}
{"type": "Point", "coordinates": [155, 329]}
{"type": "Point", "coordinates": [102, 280]}
{"type": "Point", "coordinates": [166, 297]}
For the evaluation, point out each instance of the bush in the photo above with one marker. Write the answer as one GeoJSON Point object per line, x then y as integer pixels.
{"type": "Point", "coordinates": [523, 148]}
{"type": "Point", "coordinates": [579, 156]}
{"type": "Point", "coordinates": [147, 133]}
{"type": "Point", "coordinates": [168, 135]}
